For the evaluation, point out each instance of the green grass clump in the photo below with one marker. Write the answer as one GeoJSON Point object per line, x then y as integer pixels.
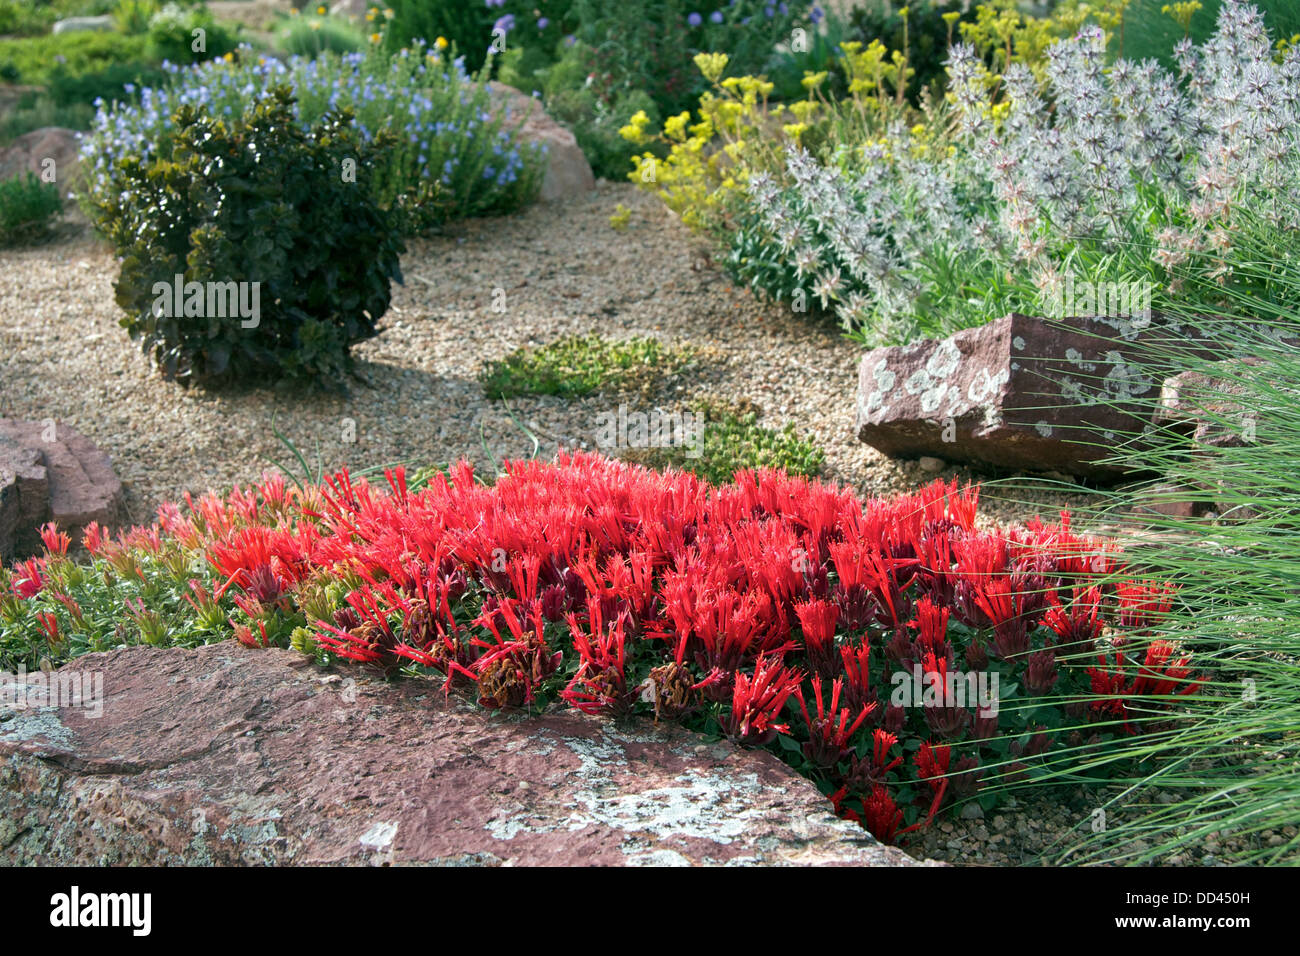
{"type": "Point", "coordinates": [1226, 770]}
{"type": "Point", "coordinates": [27, 208]}
{"type": "Point", "coordinates": [730, 440]}
{"type": "Point", "coordinates": [313, 35]}
{"type": "Point", "coordinates": [582, 364]}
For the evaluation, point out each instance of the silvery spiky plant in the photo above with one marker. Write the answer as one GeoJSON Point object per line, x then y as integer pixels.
{"type": "Point", "coordinates": [1120, 166]}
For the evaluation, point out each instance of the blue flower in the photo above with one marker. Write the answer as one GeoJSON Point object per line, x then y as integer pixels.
{"type": "Point", "coordinates": [716, 16]}
{"type": "Point", "coordinates": [694, 19]}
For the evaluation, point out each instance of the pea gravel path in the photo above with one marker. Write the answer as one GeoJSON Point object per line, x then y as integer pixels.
{"type": "Point", "coordinates": [563, 269]}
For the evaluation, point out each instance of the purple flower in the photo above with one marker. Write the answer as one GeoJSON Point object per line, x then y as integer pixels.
{"type": "Point", "coordinates": [504, 24]}
{"type": "Point", "coordinates": [816, 15]}
{"type": "Point", "coordinates": [716, 16]}
{"type": "Point", "coordinates": [543, 23]}
{"type": "Point", "coordinates": [694, 19]}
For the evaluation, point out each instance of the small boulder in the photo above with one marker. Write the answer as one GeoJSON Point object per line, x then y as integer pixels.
{"type": "Point", "coordinates": [567, 171]}
{"type": "Point", "coordinates": [1021, 393]}
{"type": "Point", "coordinates": [101, 24]}
{"type": "Point", "coordinates": [1206, 404]}
{"type": "Point", "coordinates": [50, 472]}
{"type": "Point", "coordinates": [31, 151]}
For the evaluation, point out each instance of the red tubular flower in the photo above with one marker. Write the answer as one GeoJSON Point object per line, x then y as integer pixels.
{"type": "Point", "coordinates": [817, 621]}
{"type": "Point", "coordinates": [881, 815]}
{"type": "Point", "coordinates": [28, 581]}
{"type": "Point", "coordinates": [1004, 607]}
{"type": "Point", "coordinates": [865, 774]}
{"type": "Point", "coordinates": [830, 732]}
{"type": "Point", "coordinates": [600, 684]}
{"type": "Point", "coordinates": [509, 673]}
{"type": "Point", "coordinates": [1078, 626]}
{"type": "Point", "coordinates": [50, 625]}
{"type": "Point", "coordinates": [932, 624]}
{"type": "Point", "coordinates": [932, 763]}
{"type": "Point", "coordinates": [93, 538]}
{"type": "Point", "coordinates": [757, 700]}
{"type": "Point", "coordinates": [1143, 604]}
{"type": "Point", "coordinates": [946, 718]}
{"type": "Point", "coordinates": [1135, 698]}
{"type": "Point", "coordinates": [55, 541]}
{"type": "Point", "coordinates": [932, 767]}
{"type": "Point", "coordinates": [855, 659]}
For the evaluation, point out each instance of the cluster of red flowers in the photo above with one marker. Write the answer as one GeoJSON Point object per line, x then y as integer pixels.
{"type": "Point", "coordinates": [773, 605]}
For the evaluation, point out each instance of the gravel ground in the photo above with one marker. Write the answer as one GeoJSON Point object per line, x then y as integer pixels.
{"type": "Point", "coordinates": [563, 270]}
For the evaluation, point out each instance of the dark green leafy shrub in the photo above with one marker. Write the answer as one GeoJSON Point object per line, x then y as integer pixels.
{"type": "Point", "coordinates": [466, 24]}
{"type": "Point", "coordinates": [262, 201]}
{"type": "Point", "coordinates": [27, 207]}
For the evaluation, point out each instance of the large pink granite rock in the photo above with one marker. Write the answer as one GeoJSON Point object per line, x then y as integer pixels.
{"type": "Point", "coordinates": [1020, 393]}
{"type": "Point", "coordinates": [234, 756]}
{"type": "Point", "coordinates": [31, 151]}
{"type": "Point", "coordinates": [567, 171]}
{"type": "Point", "coordinates": [49, 472]}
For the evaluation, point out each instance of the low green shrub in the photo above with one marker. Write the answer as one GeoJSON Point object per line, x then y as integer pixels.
{"type": "Point", "coordinates": [285, 213]}
{"type": "Point", "coordinates": [730, 439]}
{"type": "Point", "coordinates": [22, 18]}
{"type": "Point", "coordinates": [34, 60]}
{"type": "Point", "coordinates": [188, 35]}
{"type": "Point", "coordinates": [311, 35]}
{"type": "Point", "coordinates": [27, 208]}
{"type": "Point", "coordinates": [582, 364]}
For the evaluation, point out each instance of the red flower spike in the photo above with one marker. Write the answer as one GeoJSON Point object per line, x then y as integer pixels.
{"type": "Point", "coordinates": [817, 621]}
{"type": "Point", "coordinates": [881, 815]}
{"type": "Point", "coordinates": [757, 700]}
{"type": "Point", "coordinates": [830, 732]}
{"type": "Point", "coordinates": [56, 542]}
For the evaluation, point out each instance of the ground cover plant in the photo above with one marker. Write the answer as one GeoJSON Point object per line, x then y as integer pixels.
{"type": "Point", "coordinates": [582, 364]}
{"type": "Point", "coordinates": [451, 158]}
{"type": "Point", "coordinates": [731, 439]}
{"type": "Point", "coordinates": [27, 208]}
{"type": "Point", "coordinates": [773, 610]}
